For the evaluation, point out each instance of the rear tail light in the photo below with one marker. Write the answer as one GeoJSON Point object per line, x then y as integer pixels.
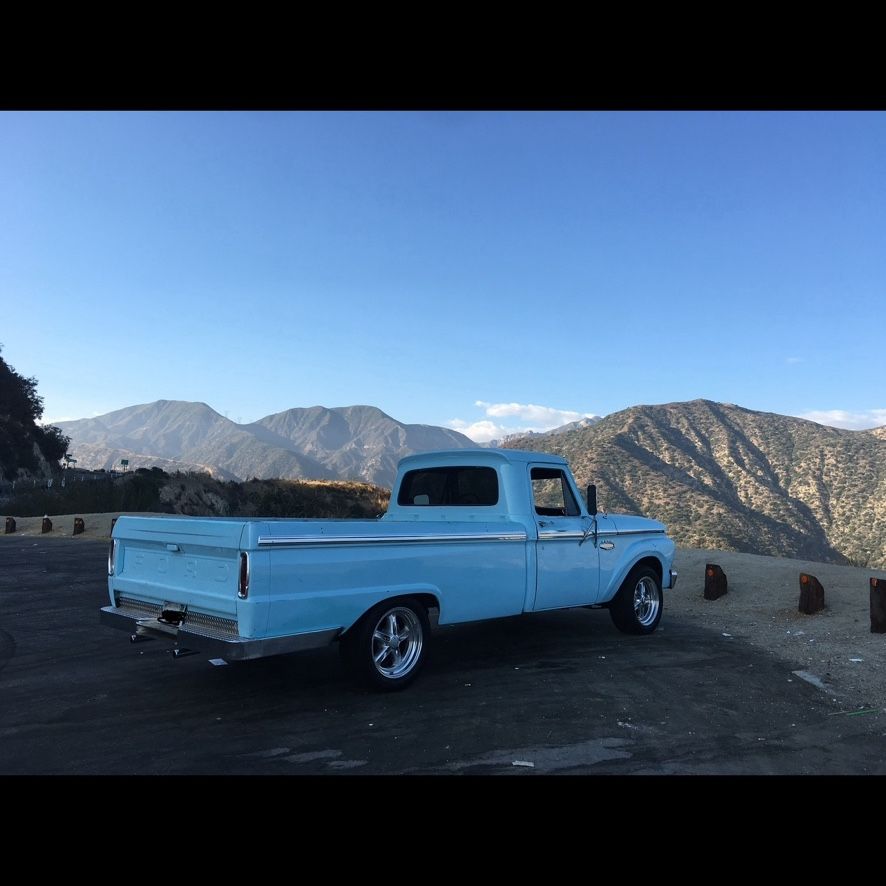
{"type": "Point", "coordinates": [243, 589]}
{"type": "Point", "coordinates": [112, 556]}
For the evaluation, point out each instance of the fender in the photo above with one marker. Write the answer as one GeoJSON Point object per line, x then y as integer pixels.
{"type": "Point", "coordinates": [641, 553]}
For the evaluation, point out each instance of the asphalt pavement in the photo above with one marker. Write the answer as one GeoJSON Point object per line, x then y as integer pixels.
{"type": "Point", "coordinates": [553, 693]}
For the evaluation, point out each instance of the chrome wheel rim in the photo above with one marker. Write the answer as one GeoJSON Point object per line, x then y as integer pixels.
{"type": "Point", "coordinates": [647, 601]}
{"type": "Point", "coordinates": [396, 642]}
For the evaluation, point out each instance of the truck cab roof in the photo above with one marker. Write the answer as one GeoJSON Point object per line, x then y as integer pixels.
{"type": "Point", "coordinates": [480, 455]}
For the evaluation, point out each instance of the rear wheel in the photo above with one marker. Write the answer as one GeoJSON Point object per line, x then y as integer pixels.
{"type": "Point", "coordinates": [637, 607]}
{"type": "Point", "coordinates": [388, 646]}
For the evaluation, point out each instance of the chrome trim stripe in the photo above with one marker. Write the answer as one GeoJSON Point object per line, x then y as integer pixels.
{"type": "Point", "coordinates": [553, 535]}
{"type": "Point", "coordinates": [265, 541]}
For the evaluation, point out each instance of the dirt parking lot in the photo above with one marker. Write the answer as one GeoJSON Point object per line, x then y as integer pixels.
{"type": "Point", "coordinates": [555, 693]}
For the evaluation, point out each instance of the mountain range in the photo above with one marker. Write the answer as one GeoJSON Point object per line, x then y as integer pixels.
{"type": "Point", "coordinates": [345, 443]}
{"type": "Point", "coordinates": [718, 475]}
{"type": "Point", "coordinates": [723, 477]}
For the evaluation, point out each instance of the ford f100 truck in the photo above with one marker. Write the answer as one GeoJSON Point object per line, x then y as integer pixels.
{"type": "Point", "coordinates": [472, 534]}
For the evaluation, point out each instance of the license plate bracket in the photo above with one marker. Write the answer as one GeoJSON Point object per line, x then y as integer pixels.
{"type": "Point", "coordinates": [173, 613]}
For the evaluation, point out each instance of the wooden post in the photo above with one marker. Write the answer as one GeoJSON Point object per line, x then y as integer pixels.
{"type": "Point", "coordinates": [811, 594]}
{"type": "Point", "coordinates": [10, 525]}
{"type": "Point", "coordinates": [79, 525]}
{"type": "Point", "coordinates": [714, 582]}
{"type": "Point", "coordinates": [46, 526]}
{"type": "Point", "coordinates": [878, 606]}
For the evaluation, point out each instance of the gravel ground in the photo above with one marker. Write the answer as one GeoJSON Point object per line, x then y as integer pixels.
{"type": "Point", "coordinates": [834, 646]}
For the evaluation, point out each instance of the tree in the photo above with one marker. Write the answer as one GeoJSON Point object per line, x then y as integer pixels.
{"type": "Point", "coordinates": [19, 399]}
{"type": "Point", "coordinates": [52, 442]}
{"type": "Point", "coordinates": [20, 409]}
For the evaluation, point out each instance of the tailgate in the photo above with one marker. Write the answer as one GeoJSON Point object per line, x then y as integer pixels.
{"type": "Point", "coordinates": [184, 560]}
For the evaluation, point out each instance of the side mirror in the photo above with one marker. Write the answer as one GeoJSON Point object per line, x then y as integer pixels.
{"type": "Point", "coordinates": [592, 499]}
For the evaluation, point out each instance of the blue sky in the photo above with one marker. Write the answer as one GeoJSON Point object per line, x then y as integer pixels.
{"type": "Point", "coordinates": [492, 271]}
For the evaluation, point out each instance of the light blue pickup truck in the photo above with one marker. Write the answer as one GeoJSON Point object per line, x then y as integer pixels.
{"type": "Point", "coordinates": [470, 533]}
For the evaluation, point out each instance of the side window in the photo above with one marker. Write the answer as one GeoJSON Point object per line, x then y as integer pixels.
{"type": "Point", "coordinates": [461, 487]}
{"type": "Point", "coordinates": [551, 493]}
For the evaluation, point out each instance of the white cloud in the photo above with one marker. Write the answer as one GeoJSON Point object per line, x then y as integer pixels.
{"type": "Point", "coordinates": [791, 361]}
{"type": "Point", "coordinates": [524, 417]}
{"type": "Point", "coordinates": [479, 431]}
{"type": "Point", "coordinates": [541, 417]}
{"type": "Point", "coordinates": [841, 418]}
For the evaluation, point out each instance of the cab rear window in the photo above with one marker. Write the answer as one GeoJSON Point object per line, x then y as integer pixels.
{"type": "Point", "coordinates": [456, 486]}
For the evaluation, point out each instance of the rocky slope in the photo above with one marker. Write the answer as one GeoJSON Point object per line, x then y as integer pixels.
{"type": "Point", "coordinates": [725, 477]}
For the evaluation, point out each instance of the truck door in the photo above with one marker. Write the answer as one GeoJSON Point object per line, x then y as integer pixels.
{"type": "Point", "coordinates": [568, 573]}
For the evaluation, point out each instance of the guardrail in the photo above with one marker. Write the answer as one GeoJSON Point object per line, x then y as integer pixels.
{"type": "Point", "coordinates": [9, 490]}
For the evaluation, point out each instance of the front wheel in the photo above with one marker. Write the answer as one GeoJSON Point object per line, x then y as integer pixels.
{"type": "Point", "coordinates": [637, 607]}
{"type": "Point", "coordinates": [388, 646]}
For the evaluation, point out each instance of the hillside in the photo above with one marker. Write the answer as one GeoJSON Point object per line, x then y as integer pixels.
{"type": "Point", "coordinates": [346, 443]}
{"type": "Point", "coordinates": [720, 476]}
{"type": "Point", "coordinates": [199, 495]}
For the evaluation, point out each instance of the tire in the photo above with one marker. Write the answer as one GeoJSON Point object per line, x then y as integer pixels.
{"type": "Point", "coordinates": [637, 607]}
{"type": "Point", "coordinates": [367, 647]}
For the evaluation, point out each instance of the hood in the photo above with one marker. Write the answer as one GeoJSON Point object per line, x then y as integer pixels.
{"type": "Point", "coordinates": [630, 523]}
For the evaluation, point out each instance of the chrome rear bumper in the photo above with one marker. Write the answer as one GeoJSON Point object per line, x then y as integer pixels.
{"type": "Point", "coordinates": [235, 649]}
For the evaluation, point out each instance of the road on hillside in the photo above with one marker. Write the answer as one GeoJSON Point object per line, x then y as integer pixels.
{"type": "Point", "coordinates": [555, 693]}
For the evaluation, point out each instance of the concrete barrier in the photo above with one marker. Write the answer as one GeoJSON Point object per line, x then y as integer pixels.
{"type": "Point", "coordinates": [715, 584]}
{"type": "Point", "coordinates": [878, 606]}
{"type": "Point", "coordinates": [811, 594]}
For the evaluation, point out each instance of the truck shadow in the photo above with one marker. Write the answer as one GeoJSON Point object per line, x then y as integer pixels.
{"type": "Point", "coordinates": [568, 646]}
{"type": "Point", "coordinates": [558, 641]}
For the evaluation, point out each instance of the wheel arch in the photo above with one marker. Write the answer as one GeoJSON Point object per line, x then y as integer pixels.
{"type": "Point", "coordinates": [618, 578]}
{"type": "Point", "coordinates": [428, 599]}
{"type": "Point", "coordinates": [653, 563]}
